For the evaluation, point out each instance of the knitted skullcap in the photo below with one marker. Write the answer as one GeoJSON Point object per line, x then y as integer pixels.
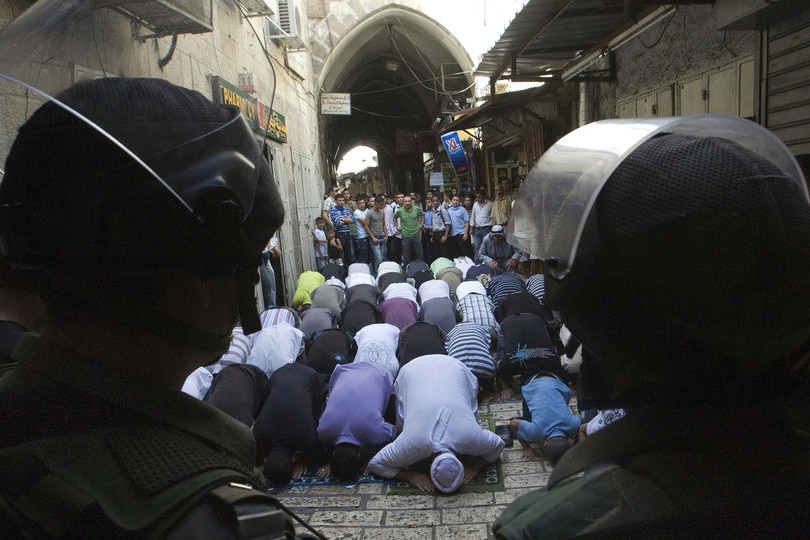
{"type": "Point", "coordinates": [447, 472]}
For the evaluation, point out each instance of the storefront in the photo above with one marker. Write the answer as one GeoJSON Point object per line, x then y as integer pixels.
{"type": "Point", "coordinates": [514, 129]}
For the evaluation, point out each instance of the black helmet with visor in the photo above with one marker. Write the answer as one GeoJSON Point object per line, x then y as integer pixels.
{"type": "Point", "coordinates": [124, 176]}
{"type": "Point", "coordinates": [676, 249]}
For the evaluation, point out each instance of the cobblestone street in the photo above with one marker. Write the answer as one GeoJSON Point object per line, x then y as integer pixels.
{"type": "Point", "coordinates": [366, 511]}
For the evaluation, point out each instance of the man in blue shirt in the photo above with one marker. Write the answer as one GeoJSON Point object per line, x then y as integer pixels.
{"type": "Point", "coordinates": [427, 234]}
{"type": "Point", "coordinates": [459, 229]}
{"type": "Point", "coordinates": [341, 218]}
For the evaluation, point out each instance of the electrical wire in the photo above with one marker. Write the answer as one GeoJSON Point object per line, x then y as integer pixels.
{"type": "Point", "coordinates": [272, 69]}
{"type": "Point", "coordinates": [416, 83]}
{"type": "Point", "coordinates": [418, 51]}
{"type": "Point", "coordinates": [415, 76]}
{"type": "Point", "coordinates": [725, 44]}
{"type": "Point", "coordinates": [93, 37]}
{"type": "Point", "coordinates": [168, 58]}
{"type": "Point", "coordinates": [661, 35]}
{"type": "Point", "coordinates": [391, 116]}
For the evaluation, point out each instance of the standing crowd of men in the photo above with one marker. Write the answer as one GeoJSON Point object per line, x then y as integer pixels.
{"type": "Point", "coordinates": [404, 227]}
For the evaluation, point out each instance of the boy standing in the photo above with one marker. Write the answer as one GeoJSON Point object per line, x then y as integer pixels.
{"type": "Point", "coordinates": [321, 243]}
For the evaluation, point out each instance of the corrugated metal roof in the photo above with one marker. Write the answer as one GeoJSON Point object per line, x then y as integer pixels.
{"type": "Point", "coordinates": [546, 35]}
{"type": "Point", "coordinates": [499, 105]}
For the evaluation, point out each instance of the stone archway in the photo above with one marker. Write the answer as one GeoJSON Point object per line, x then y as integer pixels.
{"type": "Point", "coordinates": [403, 70]}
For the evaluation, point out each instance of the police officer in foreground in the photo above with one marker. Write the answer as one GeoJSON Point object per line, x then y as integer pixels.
{"type": "Point", "coordinates": [678, 251]}
{"type": "Point", "coordinates": [145, 208]}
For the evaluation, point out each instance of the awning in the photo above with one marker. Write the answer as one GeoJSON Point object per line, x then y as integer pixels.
{"type": "Point", "coordinates": [500, 105]}
{"type": "Point", "coordinates": [548, 36]}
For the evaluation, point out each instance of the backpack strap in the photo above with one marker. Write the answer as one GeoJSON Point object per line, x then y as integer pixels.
{"type": "Point", "coordinates": [257, 513]}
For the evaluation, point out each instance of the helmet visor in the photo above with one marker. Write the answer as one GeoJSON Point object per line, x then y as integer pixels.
{"type": "Point", "coordinates": [556, 199]}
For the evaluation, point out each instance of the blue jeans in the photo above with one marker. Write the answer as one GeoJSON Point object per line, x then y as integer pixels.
{"type": "Point", "coordinates": [379, 252]}
{"type": "Point", "coordinates": [268, 284]}
{"type": "Point", "coordinates": [478, 237]}
{"type": "Point", "coordinates": [360, 249]}
{"type": "Point", "coordinates": [411, 244]}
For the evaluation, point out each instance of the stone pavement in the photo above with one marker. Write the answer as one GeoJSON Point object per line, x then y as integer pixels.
{"type": "Point", "coordinates": [365, 512]}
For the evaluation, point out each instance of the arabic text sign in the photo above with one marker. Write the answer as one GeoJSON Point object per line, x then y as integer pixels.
{"type": "Point", "coordinates": [336, 104]}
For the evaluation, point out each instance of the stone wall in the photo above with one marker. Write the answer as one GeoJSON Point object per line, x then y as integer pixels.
{"type": "Point", "coordinates": [674, 49]}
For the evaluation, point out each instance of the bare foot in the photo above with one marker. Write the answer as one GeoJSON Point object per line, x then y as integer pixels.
{"type": "Point", "coordinates": [299, 465]}
{"type": "Point", "coordinates": [298, 470]}
{"type": "Point", "coordinates": [528, 452]}
{"type": "Point", "coordinates": [324, 471]}
{"type": "Point", "coordinates": [506, 392]}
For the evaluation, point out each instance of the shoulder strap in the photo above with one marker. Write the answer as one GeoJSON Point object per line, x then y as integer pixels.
{"type": "Point", "coordinates": [442, 214]}
{"type": "Point", "coordinates": [258, 514]}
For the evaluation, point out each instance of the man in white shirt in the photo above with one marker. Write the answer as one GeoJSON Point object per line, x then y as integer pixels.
{"type": "Point", "coordinates": [394, 236]}
{"type": "Point", "coordinates": [440, 227]}
{"type": "Point", "coordinates": [437, 400]}
{"type": "Point", "coordinates": [360, 236]}
{"type": "Point", "coordinates": [481, 219]}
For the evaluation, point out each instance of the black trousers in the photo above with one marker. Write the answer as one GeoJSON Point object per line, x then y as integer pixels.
{"type": "Point", "coordinates": [395, 249]}
{"type": "Point", "coordinates": [439, 247]}
{"type": "Point", "coordinates": [346, 241]}
{"type": "Point", "coordinates": [239, 390]}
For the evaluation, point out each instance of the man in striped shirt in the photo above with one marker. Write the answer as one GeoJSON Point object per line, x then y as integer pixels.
{"type": "Point", "coordinates": [499, 287]}
{"type": "Point", "coordinates": [472, 344]}
{"type": "Point", "coordinates": [341, 218]}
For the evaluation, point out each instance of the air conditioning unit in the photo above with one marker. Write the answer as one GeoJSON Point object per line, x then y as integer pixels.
{"type": "Point", "coordinates": [158, 18]}
{"type": "Point", "coordinates": [287, 17]}
{"type": "Point", "coordinates": [288, 27]}
{"type": "Point", "coordinates": [247, 82]}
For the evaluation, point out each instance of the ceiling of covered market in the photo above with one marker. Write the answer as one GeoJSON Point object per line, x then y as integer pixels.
{"type": "Point", "coordinates": [402, 70]}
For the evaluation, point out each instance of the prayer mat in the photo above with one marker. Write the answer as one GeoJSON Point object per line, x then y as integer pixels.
{"type": "Point", "coordinates": [489, 479]}
{"type": "Point", "coordinates": [311, 479]}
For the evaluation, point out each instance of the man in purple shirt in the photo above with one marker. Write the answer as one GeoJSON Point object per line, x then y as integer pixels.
{"type": "Point", "coordinates": [352, 423]}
